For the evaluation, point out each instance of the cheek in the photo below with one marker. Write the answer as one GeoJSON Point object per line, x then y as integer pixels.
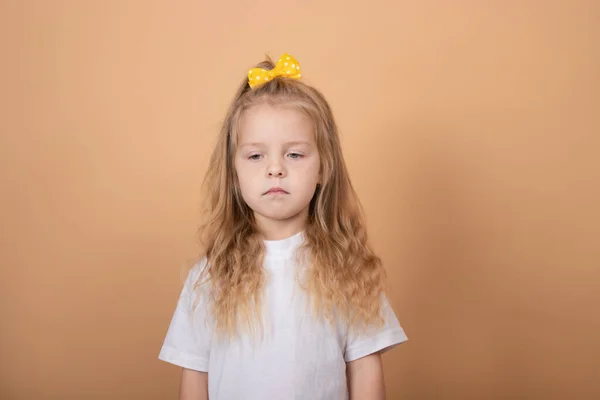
{"type": "Point", "coordinates": [315, 171]}
{"type": "Point", "coordinates": [309, 175]}
{"type": "Point", "coordinates": [246, 175]}
{"type": "Point", "coordinates": [241, 174]}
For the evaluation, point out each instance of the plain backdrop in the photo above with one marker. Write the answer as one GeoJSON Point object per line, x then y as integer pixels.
{"type": "Point", "coordinates": [471, 130]}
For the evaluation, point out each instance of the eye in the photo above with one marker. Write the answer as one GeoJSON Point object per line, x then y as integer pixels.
{"type": "Point", "coordinates": [295, 155]}
{"type": "Point", "coordinates": [254, 157]}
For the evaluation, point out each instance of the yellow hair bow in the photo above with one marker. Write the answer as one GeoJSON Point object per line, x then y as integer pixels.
{"type": "Point", "coordinates": [287, 66]}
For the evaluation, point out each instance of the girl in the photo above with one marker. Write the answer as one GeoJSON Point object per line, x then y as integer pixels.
{"type": "Point", "coordinates": [287, 300]}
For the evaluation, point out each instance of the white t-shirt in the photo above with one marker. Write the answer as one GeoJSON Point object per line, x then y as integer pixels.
{"type": "Point", "coordinates": [298, 357]}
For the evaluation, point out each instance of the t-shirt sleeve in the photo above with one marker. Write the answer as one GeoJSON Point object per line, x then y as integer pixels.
{"type": "Point", "coordinates": [375, 339]}
{"type": "Point", "coordinates": [187, 342]}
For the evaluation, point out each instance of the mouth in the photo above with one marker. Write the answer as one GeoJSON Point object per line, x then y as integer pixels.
{"type": "Point", "coordinates": [276, 190]}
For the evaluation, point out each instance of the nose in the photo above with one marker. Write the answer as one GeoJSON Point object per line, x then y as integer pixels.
{"type": "Point", "coordinates": [276, 170]}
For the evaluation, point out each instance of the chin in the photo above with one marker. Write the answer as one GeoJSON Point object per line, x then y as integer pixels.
{"type": "Point", "coordinates": [278, 215]}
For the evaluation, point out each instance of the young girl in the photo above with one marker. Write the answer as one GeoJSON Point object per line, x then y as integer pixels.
{"type": "Point", "coordinates": [287, 299]}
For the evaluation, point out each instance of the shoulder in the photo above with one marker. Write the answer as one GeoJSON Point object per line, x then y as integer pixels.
{"type": "Point", "coordinates": [198, 270]}
{"type": "Point", "coordinates": [195, 279]}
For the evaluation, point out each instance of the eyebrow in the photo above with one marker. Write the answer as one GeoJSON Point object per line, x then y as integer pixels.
{"type": "Point", "coordinates": [259, 144]}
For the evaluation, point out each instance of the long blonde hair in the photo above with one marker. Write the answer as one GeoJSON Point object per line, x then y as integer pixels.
{"type": "Point", "coordinates": [345, 276]}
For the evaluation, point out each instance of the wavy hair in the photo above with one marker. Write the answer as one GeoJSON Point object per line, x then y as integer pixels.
{"type": "Point", "coordinates": [345, 277]}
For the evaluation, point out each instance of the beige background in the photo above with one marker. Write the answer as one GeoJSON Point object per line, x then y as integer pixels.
{"type": "Point", "coordinates": [471, 130]}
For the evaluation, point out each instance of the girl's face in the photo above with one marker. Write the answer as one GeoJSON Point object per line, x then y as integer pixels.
{"type": "Point", "coordinates": [278, 166]}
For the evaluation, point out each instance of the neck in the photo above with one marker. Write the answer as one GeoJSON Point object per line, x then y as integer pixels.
{"type": "Point", "coordinates": [280, 229]}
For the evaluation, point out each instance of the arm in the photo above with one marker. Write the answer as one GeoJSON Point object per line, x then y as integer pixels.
{"type": "Point", "coordinates": [193, 385]}
{"type": "Point", "coordinates": [365, 378]}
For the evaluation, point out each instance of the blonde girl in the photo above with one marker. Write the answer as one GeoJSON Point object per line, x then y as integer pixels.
{"type": "Point", "coordinates": [287, 299]}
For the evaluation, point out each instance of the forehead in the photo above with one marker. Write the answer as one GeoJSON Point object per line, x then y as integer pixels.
{"type": "Point", "coordinates": [266, 123]}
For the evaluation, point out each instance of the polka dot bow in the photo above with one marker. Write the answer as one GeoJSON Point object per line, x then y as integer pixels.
{"type": "Point", "coordinates": [287, 66]}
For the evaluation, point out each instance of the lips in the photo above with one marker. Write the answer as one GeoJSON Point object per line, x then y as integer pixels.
{"type": "Point", "coordinates": [276, 190]}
